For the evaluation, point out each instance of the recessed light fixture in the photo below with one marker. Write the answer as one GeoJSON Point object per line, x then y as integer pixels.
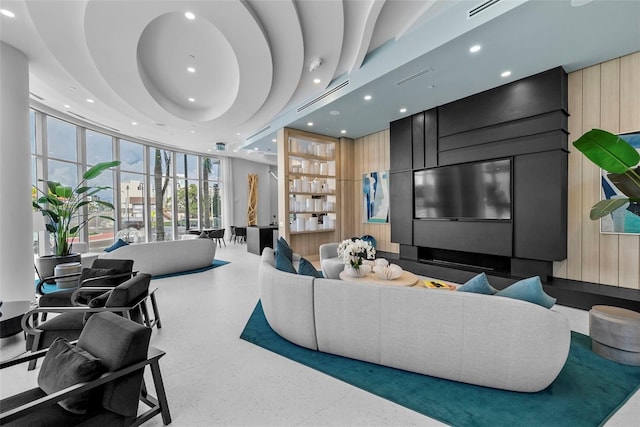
{"type": "Point", "coordinates": [7, 13]}
{"type": "Point", "coordinates": [190, 15]}
{"type": "Point", "coordinates": [238, 133]}
{"type": "Point", "coordinates": [403, 110]}
{"type": "Point", "coordinates": [191, 69]}
{"type": "Point", "coordinates": [67, 106]}
{"type": "Point", "coordinates": [209, 149]}
{"type": "Point", "coordinates": [334, 112]}
{"type": "Point", "coordinates": [193, 131]}
{"type": "Point", "coordinates": [90, 101]}
{"type": "Point", "coordinates": [475, 48]}
{"type": "Point", "coordinates": [317, 81]}
{"type": "Point", "coordinates": [309, 123]}
{"type": "Point", "coordinates": [274, 140]}
{"type": "Point", "coordinates": [192, 100]}
{"type": "Point", "coordinates": [343, 131]}
{"type": "Point", "coordinates": [367, 97]}
{"type": "Point", "coordinates": [255, 148]}
{"type": "Point", "coordinates": [134, 123]}
{"type": "Point", "coordinates": [505, 73]}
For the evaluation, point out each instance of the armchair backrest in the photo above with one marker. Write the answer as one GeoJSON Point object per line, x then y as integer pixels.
{"type": "Point", "coordinates": [217, 234]}
{"type": "Point", "coordinates": [328, 250]}
{"type": "Point", "coordinates": [121, 266]}
{"type": "Point", "coordinates": [118, 342]}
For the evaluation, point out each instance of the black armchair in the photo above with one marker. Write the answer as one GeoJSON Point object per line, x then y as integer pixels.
{"type": "Point", "coordinates": [67, 395]}
{"type": "Point", "coordinates": [241, 234]}
{"type": "Point", "coordinates": [127, 299]}
{"type": "Point", "coordinates": [218, 236]}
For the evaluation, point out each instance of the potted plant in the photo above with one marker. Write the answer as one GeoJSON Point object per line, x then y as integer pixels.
{"type": "Point", "coordinates": [61, 207]}
{"type": "Point", "coordinates": [620, 159]}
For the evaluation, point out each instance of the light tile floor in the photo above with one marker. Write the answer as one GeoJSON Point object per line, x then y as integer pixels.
{"type": "Point", "coordinates": [214, 378]}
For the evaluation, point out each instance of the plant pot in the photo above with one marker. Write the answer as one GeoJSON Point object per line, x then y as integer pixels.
{"type": "Point", "coordinates": [46, 264]}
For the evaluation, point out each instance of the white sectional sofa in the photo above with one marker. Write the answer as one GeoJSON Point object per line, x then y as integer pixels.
{"type": "Point", "coordinates": [477, 339]}
{"type": "Point", "coordinates": [158, 258]}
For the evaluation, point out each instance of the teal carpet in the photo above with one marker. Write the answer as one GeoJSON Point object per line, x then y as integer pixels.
{"type": "Point", "coordinates": [587, 392]}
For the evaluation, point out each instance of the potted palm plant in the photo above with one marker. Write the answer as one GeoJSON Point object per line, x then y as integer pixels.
{"type": "Point", "coordinates": [620, 159]}
{"type": "Point", "coordinates": [61, 206]}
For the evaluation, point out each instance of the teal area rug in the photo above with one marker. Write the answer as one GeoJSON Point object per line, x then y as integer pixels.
{"type": "Point", "coordinates": [587, 392]}
{"type": "Point", "coordinates": [216, 263]}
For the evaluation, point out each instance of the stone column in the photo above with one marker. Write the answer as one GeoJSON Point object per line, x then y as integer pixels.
{"type": "Point", "coordinates": [16, 219]}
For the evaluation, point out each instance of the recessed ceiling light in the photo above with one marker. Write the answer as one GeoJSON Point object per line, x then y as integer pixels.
{"type": "Point", "coordinates": [238, 133]}
{"type": "Point", "coordinates": [274, 140]}
{"type": "Point", "coordinates": [403, 110]}
{"type": "Point", "coordinates": [7, 13]}
{"type": "Point", "coordinates": [67, 106]}
{"type": "Point", "coordinates": [505, 74]}
{"type": "Point", "coordinates": [343, 131]}
{"type": "Point", "coordinates": [255, 148]}
{"type": "Point", "coordinates": [134, 123]}
{"type": "Point", "coordinates": [190, 15]}
{"type": "Point", "coordinates": [310, 124]}
{"type": "Point", "coordinates": [334, 112]}
{"type": "Point", "coordinates": [191, 69]}
{"type": "Point", "coordinates": [475, 48]}
{"type": "Point", "coordinates": [209, 149]}
{"type": "Point", "coordinates": [367, 97]}
{"type": "Point", "coordinates": [193, 131]}
{"type": "Point", "coordinates": [192, 100]}
{"type": "Point", "coordinates": [317, 81]}
{"type": "Point", "coordinates": [90, 101]}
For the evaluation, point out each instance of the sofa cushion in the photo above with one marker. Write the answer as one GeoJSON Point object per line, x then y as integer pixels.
{"type": "Point", "coordinates": [283, 263]}
{"type": "Point", "coordinates": [117, 244]}
{"type": "Point", "coordinates": [283, 247]}
{"type": "Point", "coordinates": [478, 284]}
{"type": "Point", "coordinates": [66, 365]}
{"type": "Point", "coordinates": [528, 290]}
{"type": "Point", "coordinates": [307, 269]}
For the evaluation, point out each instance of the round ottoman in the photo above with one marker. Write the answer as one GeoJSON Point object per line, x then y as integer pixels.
{"type": "Point", "coordinates": [615, 333]}
{"type": "Point", "coordinates": [63, 270]}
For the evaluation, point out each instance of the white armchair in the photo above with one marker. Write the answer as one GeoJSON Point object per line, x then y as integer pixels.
{"type": "Point", "coordinates": [330, 264]}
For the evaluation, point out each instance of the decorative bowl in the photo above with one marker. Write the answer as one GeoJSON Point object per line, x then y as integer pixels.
{"type": "Point", "coordinates": [390, 272]}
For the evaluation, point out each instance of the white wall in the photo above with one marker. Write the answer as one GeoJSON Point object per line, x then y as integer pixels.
{"type": "Point", "coordinates": [267, 192]}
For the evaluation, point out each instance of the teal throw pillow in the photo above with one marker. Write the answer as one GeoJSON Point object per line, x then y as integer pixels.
{"type": "Point", "coordinates": [528, 290]}
{"type": "Point", "coordinates": [478, 285]}
{"type": "Point", "coordinates": [117, 244]}
{"type": "Point", "coordinates": [282, 247]}
{"type": "Point", "coordinates": [284, 264]}
{"type": "Point", "coordinates": [307, 269]}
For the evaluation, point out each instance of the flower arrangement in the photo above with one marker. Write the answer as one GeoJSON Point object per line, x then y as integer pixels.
{"type": "Point", "coordinates": [353, 251]}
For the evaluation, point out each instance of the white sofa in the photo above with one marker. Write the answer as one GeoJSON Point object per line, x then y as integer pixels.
{"type": "Point", "coordinates": [158, 258]}
{"type": "Point", "coordinates": [477, 339]}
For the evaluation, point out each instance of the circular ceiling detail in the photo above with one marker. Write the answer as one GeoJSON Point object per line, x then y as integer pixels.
{"type": "Point", "coordinates": [188, 67]}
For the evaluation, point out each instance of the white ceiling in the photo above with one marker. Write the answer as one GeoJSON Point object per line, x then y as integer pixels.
{"type": "Point", "coordinates": [252, 60]}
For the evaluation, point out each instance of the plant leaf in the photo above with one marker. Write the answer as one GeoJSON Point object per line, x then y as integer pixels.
{"type": "Point", "coordinates": [626, 183]}
{"type": "Point", "coordinates": [608, 151]}
{"type": "Point", "coordinates": [99, 168]}
{"type": "Point", "coordinates": [605, 207]}
{"type": "Point", "coordinates": [64, 191]}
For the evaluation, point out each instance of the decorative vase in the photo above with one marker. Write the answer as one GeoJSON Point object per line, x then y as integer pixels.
{"type": "Point", "coordinates": [361, 271]}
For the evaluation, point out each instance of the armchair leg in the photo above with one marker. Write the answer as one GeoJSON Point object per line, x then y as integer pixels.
{"type": "Point", "coordinates": [156, 313]}
{"type": "Point", "coordinates": [34, 347]}
{"type": "Point", "coordinates": [161, 395]}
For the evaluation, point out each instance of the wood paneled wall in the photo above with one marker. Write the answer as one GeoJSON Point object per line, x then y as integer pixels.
{"type": "Point", "coordinates": [369, 153]}
{"type": "Point", "coordinates": [605, 96]}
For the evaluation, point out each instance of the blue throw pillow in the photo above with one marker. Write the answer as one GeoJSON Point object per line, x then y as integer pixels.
{"type": "Point", "coordinates": [478, 285]}
{"type": "Point", "coordinates": [307, 269]}
{"type": "Point", "coordinates": [117, 244]}
{"type": "Point", "coordinates": [284, 264]}
{"type": "Point", "coordinates": [282, 247]}
{"type": "Point", "coordinates": [528, 290]}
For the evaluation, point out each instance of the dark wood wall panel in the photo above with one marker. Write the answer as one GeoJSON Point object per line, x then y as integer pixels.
{"type": "Point", "coordinates": [553, 140]}
{"type": "Point", "coordinates": [540, 208]}
{"type": "Point", "coordinates": [492, 238]}
{"type": "Point", "coordinates": [401, 208]}
{"type": "Point", "coordinates": [431, 137]}
{"type": "Point", "coordinates": [400, 144]}
{"type": "Point", "coordinates": [417, 134]}
{"type": "Point", "coordinates": [528, 97]}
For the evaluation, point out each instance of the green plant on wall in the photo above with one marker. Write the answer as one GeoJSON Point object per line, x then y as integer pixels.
{"type": "Point", "coordinates": [61, 206]}
{"type": "Point", "coordinates": [620, 159]}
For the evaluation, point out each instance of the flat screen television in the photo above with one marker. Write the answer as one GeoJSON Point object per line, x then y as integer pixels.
{"type": "Point", "coordinates": [467, 191]}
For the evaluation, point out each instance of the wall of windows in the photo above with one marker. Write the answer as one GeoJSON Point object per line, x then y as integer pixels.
{"type": "Point", "coordinates": [157, 194]}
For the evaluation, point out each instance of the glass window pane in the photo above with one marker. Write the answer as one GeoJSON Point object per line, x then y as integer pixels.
{"type": "Point", "coordinates": [187, 166]}
{"type": "Point", "coordinates": [210, 169]}
{"type": "Point", "coordinates": [99, 148]}
{"type": "Point", "coordinates": [101, 230]}
{"type": "Point", "coordinates": [63, 172]}
{"type": "Point", "coordinates": [131, 156]}
{"type": "Point", "coordinates": [211, 205]}
{"type": "Point", "coordinates": [32, 130]}
{"type": "Point", "coordinates": [161, 200]}
{"type": "Point", "coordinates": [132, 206]}
{"type": "Point", "coordinates": [61, 140]}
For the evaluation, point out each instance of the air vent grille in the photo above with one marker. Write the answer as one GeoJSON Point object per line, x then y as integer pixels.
{"type": "Point", "coordinates": [33, 95]}
{"type": "Point", "coordinates": [414, 76]}
{"type": "Point", "coordinates": [323, 96]}
{"type": "Point", "coordinates": [256, 133]}
{"type": "Point", "coordinates": [481, 8]}
{"type": "Point", "coordinates": [80, 116]}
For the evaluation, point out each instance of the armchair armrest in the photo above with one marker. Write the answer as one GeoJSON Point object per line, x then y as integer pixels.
{"type": "Point", "coordinates": [42, 282]}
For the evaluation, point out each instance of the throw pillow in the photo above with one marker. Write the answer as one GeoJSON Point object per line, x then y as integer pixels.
{"type": "Point", "coordinates": [66, 365]}
{"type": "Point", "coordinates": [284, 264]}
{"type": "Point", "coordinates": [478, 284]}
{"type": "Point", "coordinates": [117, 244]}
{"type": "Point", "coordinates": [528, 290]}
{"type": "Point", "coordinates": [283, 247]}
{"type": "Point", "coordinates": [307, 269]}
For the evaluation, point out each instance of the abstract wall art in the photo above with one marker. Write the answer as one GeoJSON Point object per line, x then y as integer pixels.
{"type": "Point", "coordinates": [375, 197]}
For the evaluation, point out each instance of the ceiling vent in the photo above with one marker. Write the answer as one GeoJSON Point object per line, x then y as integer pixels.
{"type": "Point", "coordinates": [481, 8]}
{"type": "Point", "coordinates": [33, 95]}
{"type": "Point", "coordinates": [80, 116]}
{"type": "Point", "coordinates": [415, 76]}
{"type": "Point", "coordinates": [323, 96]}
{"type": "Point", "coordinates": [256, 133]}
{"type": "Point", "coordinates": [220, 146]}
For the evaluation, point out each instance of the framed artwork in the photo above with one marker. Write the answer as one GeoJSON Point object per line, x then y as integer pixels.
{"type": "Point", "coordinates": [624, 220]}
{"type": "Point", "coordinates": [375, 197]}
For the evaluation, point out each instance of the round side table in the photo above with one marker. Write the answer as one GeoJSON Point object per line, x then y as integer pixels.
{"type": "Point", "coordinates": [615, 333]}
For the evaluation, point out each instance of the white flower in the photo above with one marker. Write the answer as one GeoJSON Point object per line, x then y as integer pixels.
{"type": "Point", "coordinates": [352, 251]}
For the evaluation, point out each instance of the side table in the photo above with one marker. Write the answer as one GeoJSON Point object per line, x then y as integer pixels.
{"type": "Point", "coordinates": [11, 313]}
{"type": "Point", "coordinates": [615, 333]}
